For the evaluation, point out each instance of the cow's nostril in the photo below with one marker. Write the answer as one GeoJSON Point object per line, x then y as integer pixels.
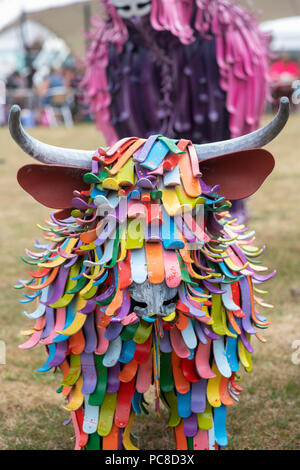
{"type": "Point", "coordinates": [171, 301]}
{"type": "Point", "coordinates": [139, 304]}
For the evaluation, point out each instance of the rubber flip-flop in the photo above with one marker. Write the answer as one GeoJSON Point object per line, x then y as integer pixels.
{"type": "Point", "coordinates": [213, 388]}
{"type": "Point", "coordinates": [97, 397]}
{"type": "Point", "coordinates": [190, 427]}
{"type": "Point", "coordinates": [155, 263]}
{"type": "Point", "coordinates": [178, 344]}
{"type": "Point", "coordinates": [166, 376]}
{"type": "Point", "coordinates": [127, 435]}
{"type": "Point", "coordinates": [91, 417]}
{"type": "Point", "coordinates": [123, 407]}
{"type": "Point", "coordinates": [205, 419]}
{"type": "Point", "coordinates": [172, 269]}
{"type": "Point", "coordinates": [127, 352]}
{"type": "Point", "coordinates": [182, 385]}
{"type": "Point", "coordinates": [111, 442]}
{"type": "Point", "coordinates": [220, 426]}
{"type": "Point", "coordinates": [180, 439]}
{"type": "Point", "coordinates": [138, 265]}
{"type": "Point", "coordinates": [143, 332]}
{"type": "Point", "coordinates": [128, 371]}
{"type": "Point", "coordinates": [88, 372]}
{"type": "Point", "coordinates": [113, 352]}
{"type": "Point", "coordinates": [189, 370]}
{"type": "Point", "coordinates": [189, 336]}
{"type": "Point", "coordinates": [143, 350]}
{"type": "Point", "coordinates": [220, 357]}
{"type": "Point", "coordinates": [202, 360]}
{"type": "Point", "coordinates": [107, 412]}
{"type": "Point", "coordinates": [198, 398]}
{"type": "Point", "coordinates": [144, 376]}
{"type": "Point", "coordinates": [201, 440]}
{"type": "Point", "coordinates": [184, 404]}
{"type": "Point", "coordinates": [77, 397]}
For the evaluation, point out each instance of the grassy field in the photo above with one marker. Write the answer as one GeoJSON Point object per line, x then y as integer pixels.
{"type": "Point", "coordinates": [267, 417]}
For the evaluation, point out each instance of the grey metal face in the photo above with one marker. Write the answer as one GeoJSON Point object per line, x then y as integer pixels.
{"type": "Point", "coordinates": [130, 8]}
{"type": "Point", "coordinates": [157, 299]}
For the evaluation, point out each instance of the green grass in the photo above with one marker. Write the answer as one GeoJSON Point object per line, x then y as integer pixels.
{"type": "Point", "coordinates": [267, 416]}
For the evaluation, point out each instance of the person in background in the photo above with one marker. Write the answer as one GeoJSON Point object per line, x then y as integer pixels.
{"type": "Point", "coordinates": [53, 80]}
{"type": "Point", "coordinates": [283, 73]}
{"type": "Point", "coordinates": [72, 79]}
{"type": "Point", "coordinates": [15, 81]}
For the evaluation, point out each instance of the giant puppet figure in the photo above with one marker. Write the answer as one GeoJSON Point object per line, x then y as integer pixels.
{"type": "Point", "coordinates": [145, 279]}
{"type": "Point", "coordinates": [192, 69]}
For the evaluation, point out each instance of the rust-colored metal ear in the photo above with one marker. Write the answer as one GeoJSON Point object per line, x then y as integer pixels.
{"type": "Point", "coordinates": [239, 174]}
{"type": "Point", "coordinates": [52, 185]}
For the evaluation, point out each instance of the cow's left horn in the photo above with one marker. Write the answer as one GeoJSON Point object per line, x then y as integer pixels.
{"type": "Point", "coordinates": [43, 152]}
{"type": "Point", "coordinates": [255, 139]}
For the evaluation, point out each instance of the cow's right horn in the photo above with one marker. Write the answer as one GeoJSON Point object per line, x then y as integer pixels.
{"type": "Point", "coordinates": [255, 139]}
{"type": "Point", "coordinates": [45, 153]}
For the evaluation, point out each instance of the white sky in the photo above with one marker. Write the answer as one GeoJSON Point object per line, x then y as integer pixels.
{"type": "Point", "coordinates": [285, 32]}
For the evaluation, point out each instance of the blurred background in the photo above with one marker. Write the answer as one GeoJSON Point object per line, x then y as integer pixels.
{"type": "Point", "coordinates": [42, 49]}
{"type": "Point", "coordinates": [43, 45]}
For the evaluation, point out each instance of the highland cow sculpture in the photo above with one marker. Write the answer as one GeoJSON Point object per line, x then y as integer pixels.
{"type": "Point", "coordinates": [136, 288]}
{"type": "Point", "coordinates": [191, 69]}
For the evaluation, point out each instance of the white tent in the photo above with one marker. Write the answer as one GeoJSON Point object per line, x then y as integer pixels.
{"type": "Point", "coordinates": [65, 18]}
{"type": "Point", "coordinates": [11, 45]}
{"type": "Point", "coordinates": [12, 9]}
{"type": "Point", "coordinates": [285, 33]}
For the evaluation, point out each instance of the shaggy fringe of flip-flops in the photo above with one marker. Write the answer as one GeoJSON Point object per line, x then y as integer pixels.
{"type": "Point", "coordinates": [109, 357]}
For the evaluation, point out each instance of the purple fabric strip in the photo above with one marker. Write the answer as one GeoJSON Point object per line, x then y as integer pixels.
{"type": "Point", "coordinates": [113, 381]}
{"type": "Point", "coordinates": [199, 332]}
{"type": "Point", "coordinates": [123, 311]}
{"type": "Point", "coordinates": [49, 325]}
{"type": "Point", "coordinates": [142, 154]}
{"type": "Point", "coordinates": [246, 306]}
{"type": "Point", "coordinates": [59, 288]}
{"type": "Point", "coordinates": [89, 307]}
{"type": "Point", "coordinates": [193, 310]}
{"type": "Point", "coordinates": [190, 425]}
{"type": "Point", "coordinates": [184, 229]}
{"type": "Point", "coordinates": [60, 354]}
{"type": "Point", "coordinates": [198, 396]}
{"type": "Point", "coordinates": [113, 330]}
{"type": "Point", "coordinates": [89, 373]}
{"type": "Point", "coordinates": [111, 289]}
{"type": "Point", "coordinates": [209, 333]}
{"type": "Point", "coordinates": [71, 262]}
{"type": "Point", "coordinates": [211, 288]}
{"type": "Point", "coordinates": [240, 254]}
{"type": "Point", "coordinates": [245, 341]}
{"type": "Point", "coordinates": [165, 343]}
{"type": "Point", "coordinates": [90, 334]}
{"type": "Point", "coordinates": [260, 278]}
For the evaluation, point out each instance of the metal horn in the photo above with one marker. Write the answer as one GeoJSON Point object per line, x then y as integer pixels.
{"type": "Point", "coordinates": [83, 158]}
{"type": "Point", "coordinates": [256, 139]}
{"type": "Point", "coordinates": [45, 153]}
